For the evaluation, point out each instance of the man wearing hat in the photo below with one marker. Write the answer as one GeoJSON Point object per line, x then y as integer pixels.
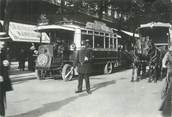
{"type": "Point", "coordinates": [84, 66]}
{"type": "Point", "coordinates": [167, 90]}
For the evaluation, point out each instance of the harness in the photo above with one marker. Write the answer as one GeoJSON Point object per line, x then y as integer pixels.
{"type": "Point", "coordinates": [154, 56]}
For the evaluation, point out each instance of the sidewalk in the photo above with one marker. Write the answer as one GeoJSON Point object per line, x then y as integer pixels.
{"type": "Point", "coordinates": [17, 75]}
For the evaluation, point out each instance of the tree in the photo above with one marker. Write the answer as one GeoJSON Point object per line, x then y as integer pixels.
{"type": "Point", "coordinates": [7, 9]}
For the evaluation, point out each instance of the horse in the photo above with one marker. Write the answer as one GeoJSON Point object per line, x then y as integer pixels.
{"type": "Point", "coordinates": [155, 64]}
{"type": "Point", "coordinates": [138, 66]}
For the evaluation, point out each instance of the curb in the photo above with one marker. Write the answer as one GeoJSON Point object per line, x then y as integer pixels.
{"type": "Point", "coordinates": [22, 77]}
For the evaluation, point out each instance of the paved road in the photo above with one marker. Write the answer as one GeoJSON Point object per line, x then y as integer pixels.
{"type": "Point", "coordinates": [112, 96]}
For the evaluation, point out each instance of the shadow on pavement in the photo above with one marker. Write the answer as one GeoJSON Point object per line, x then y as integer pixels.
{"type": "Point", "coordinates": [123, 78]}
{"type": "Point", "coordinates": [50, 107]}
{"type": "Point", "coordinates": [98, 78]}
{"type": "Point", "coordinates": [54, 106]}
{"type": "Point", "coordinates": [103, 84]}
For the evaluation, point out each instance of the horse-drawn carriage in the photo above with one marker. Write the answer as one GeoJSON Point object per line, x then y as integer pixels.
{"type": "Point", "coordinates": [150, 48]}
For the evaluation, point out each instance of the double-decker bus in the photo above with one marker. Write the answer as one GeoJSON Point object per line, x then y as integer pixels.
{"type": "Point", "coordinates": [102, 41]}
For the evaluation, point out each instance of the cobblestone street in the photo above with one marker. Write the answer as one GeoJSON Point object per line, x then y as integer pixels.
{"type": "Point", "coordinates": [112, 96]}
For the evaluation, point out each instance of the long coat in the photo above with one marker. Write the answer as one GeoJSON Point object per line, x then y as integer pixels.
{"type": "Point", "coordinates": [4, 71]}
{"type": "Point", "coordinates": [84, 61]}
{"type": "Point", "coordinates": [5, 85]}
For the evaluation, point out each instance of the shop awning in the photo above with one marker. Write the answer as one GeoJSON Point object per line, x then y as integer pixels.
{"type": "Point", "coordinates": [155, 24]}
{"type": "Point", "coordinates": [130, 33]}
{"type": "Point", "coordinates": [55, 2]}
{"type": "Point", "coordinates": [25, 33]}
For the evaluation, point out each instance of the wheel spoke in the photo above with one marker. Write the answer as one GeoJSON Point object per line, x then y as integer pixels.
{"type": "Point", "coordinates": [68, 73]}
{"type": "Point", "coordinates": [109, 67]}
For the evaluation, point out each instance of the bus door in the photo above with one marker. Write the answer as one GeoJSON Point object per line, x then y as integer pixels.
{"type": "Point", "coordinates": [61, 40]}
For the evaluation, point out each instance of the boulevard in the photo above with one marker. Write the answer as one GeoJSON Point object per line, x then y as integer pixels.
{"type": "Point", "coordinates": [45, 39]}
{"type": "Point", "coordinates": [112, 95]}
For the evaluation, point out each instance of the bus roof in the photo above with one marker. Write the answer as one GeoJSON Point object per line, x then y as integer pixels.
{"type": "Point", "coordinates": [155, 24]}
{"type": "Point", "coordinates": [54, 27]}
{"type": "Point", "coordinates": [72, 27]}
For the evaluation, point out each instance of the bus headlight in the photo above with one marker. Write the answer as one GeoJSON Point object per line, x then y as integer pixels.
{"type": "Point", "coordinates": [42, 60]}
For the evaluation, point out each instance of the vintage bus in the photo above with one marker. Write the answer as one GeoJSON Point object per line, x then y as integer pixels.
{"type": "Point", "coordinates": [161, 35]}
{"type": "Point", "coordinates": [158, 32]}
{"type": "Point", "coordinates": [102, 40]}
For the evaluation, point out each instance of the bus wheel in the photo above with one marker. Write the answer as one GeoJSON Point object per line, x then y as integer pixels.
{"type": "Point", "coordinates": [67, 72]}
{"type": "Point", "coordinates": [40, 74]}
{"type": "Point", "coordinates": [108, 69]}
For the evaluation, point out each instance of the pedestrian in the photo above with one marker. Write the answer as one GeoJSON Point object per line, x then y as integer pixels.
{"type": "Point", "coordinates": [5, 82]}
{"type": "Point", "coordinates": [167, 88]}
{"type": "Point", "coordinates": [32, 57]}
{"type": "Point", "coordinates": [84, 57]}
{"type": "Point", "coordinates": [22, 59]}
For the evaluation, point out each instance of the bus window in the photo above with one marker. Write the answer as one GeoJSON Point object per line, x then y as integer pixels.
{"type": "Point", "coordinates": [88, 38]}
{"type": "Point", "coordinates": [64, 36]}
{"type": "Point", "coordinates": [107, 42]}
{"type": "Point", "coordinates": [111, 43]}
{"type": "Point", "coordinates": [114, 41]}
{"type": "Point", "coordinates": [99, 42]}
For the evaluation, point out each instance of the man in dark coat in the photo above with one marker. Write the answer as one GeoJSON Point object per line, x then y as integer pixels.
{"type": "Point", "coordinates": [22, 59]}
{"type": "Point", "coordinates": [32, 54]}
{"type": "Point", "coordinates": [5, 82]}
{"type": "Point", "coordinates": [84, 57]}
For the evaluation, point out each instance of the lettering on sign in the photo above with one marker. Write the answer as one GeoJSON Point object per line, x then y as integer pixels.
{"type": "Point", "coordinates": [24, 32]}
{"type": "Point", "coordinates": [97, 25]}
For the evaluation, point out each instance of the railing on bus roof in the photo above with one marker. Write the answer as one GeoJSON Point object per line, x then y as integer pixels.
{"type": "Point", "coordinates": [70, 22]}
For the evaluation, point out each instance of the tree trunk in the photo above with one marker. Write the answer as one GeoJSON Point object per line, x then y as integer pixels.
{"type": "Point", "coordinates": [9, 7]}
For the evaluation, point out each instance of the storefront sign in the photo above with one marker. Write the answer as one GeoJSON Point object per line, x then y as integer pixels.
{"type": "Point", "coordinates": [24, 33]}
